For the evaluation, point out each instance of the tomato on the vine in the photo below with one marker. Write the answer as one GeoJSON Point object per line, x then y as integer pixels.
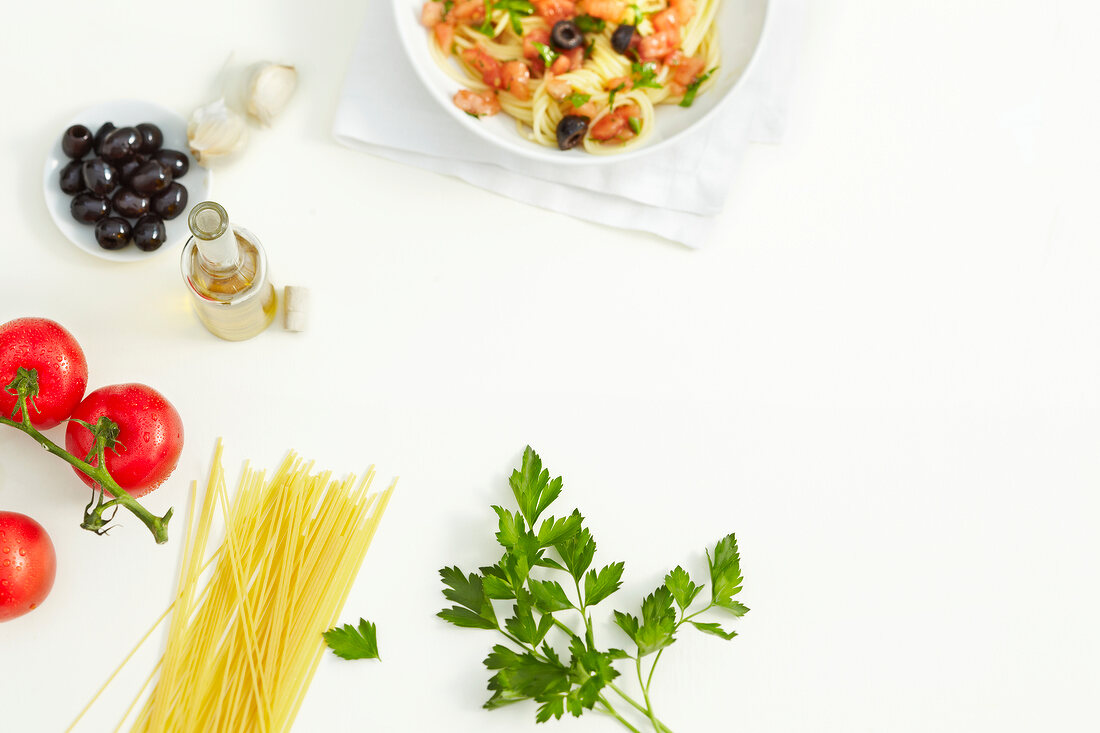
{"type": "Point", "coordinates": [150, 436]}
{"type": "Point", "coordinates": [43, 345]}
{"type": "Point", "coordinates": [28, 565]}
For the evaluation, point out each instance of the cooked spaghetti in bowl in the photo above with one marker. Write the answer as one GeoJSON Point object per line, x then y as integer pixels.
{"type": "Point", "coordinates": [602, 76]}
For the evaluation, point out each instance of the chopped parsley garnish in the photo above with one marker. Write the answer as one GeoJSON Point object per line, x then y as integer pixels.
{"type": "Point", "coordinates": [588, 49]}
{"type": "Point", "coordinates": [578, 100]}
{"type": "Point", "coordinates": [548, 54]}
{"type": "Point", "coordinates": [693, 88]}
{"type": "Point", "coordinates": [611, 97]}
{"type": "Point", "coordinates": [637, 15]}
{"type": "Point", "coordinates": [645, 75]}
{"type": "Point", "coordinates": [486, 26]}
{"type": "Point", "coordinates": [588, 24]}
{"type": "Point", "coordinates": [515, 9]}
{"type": "Point", "coordinates": [447, 6]}
{"type": "Point", "coordinates": [635, 124]}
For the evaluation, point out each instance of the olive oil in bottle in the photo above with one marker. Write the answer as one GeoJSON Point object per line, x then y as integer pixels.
{"type": "Point", "coordinates": [225, 269]}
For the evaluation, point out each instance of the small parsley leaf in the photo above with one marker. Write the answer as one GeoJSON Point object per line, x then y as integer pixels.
{"type": "Point", "coordinates": [549, 596]}
{"type": "Point", "coordinates": [588, 24]}
{"type": "Point", "coordinates": [683, 590]}
{"type": "Point", "coordinates": [548, 54]}
{"type": "Point", "coordinates": [349, 642]}
{"type": "Point", "coordinates": [712, 628]}
{"type": "Point", "coordinates": [474, 610]}
{"type": "Point", "coordinates": [693, 88]}
{"type": "Point", "coordinates": [645, 75]}
{"type": "Point", "coordinates": [635, 124]}
{"type": "Point", "coordinates": [552, 532]}
{"type": "Point", "coordinates": [725, 575]}
{"type": "Point", "coordinates": [578, 100]}
{"type": "Point", "coordinates": [598, 586]}
{"type": "Point", "coordinates": [533, 489]}
{"type": "Point", "coordinates": [577, 553]}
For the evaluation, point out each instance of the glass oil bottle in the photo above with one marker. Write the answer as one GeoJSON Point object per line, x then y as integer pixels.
{"type": "Point", "coordinates": [225, 268]}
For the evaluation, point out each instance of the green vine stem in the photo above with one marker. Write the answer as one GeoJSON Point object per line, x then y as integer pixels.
{"type": "Point", "coordinates": [25, 388]}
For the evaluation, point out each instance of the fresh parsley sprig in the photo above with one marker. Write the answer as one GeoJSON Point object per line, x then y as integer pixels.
{"type": "Point", "coordinates": [644, 75]}
{"type": "Point", "coordinates": [588, 24]}
{"type": "Point", "coordinates": [529, 666]}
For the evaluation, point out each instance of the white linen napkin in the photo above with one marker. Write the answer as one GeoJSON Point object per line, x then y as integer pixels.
{"type": "Point", "coordinates": [675, 194]}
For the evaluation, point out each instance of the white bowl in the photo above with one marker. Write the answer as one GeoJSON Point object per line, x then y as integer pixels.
{"type": "Point", "coordinates": [740, 28]}
{"type": "Point", "coordinates": [122, 113]}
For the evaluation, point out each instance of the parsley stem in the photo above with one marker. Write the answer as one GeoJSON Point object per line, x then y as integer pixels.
{"type": "Point", "coordinates": [645, 695]}
{"type": "Point", "coordinates": [637, 706]}
{"type": "Point", "coordinates": [613, 713]}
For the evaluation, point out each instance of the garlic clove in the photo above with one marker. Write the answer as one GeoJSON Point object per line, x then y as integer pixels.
{"type": "Point", "coordinates": [269, 89]}
{"type": "Point", "coordinates": [215, 131]}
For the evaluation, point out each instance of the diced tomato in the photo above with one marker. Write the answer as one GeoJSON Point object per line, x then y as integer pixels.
{"type": "Point", "coordinates": [468, 11]}
{"type": "Point", "coordinates": [685, 72]}
{"type": "Point", "coordinates": [491, 70]}
{"type": "Point", "coordinates": [615, 125]}
{"type": "Point", "coordinates": [558, 89]}
{"type": "Point", "coordinates": [431, 14]}
{"type": "Point", "coordinates": [588, 109]}
{"type": "Point", "coordinates": [485, 103]}
{"type": "Point", "coordinates": [666, 20]}
{"type": "Point", "coordinates": [658, 45]}
{"type": "Point", "coordinates": [576, 57]}
{"type": "Point", "coordinates": [555, 10]}
{"type": "Point", "coordinates": [685, 9]}
{"type": "Point", "coordinates": [561, 65]}
{"type": "Point", "coordinates": [539, 35]}
{"type": "Point", "coordinates": [445, 35]}
{"type": "Point", "coordinates": [516, 76]}
{"type": "Point", "coordinates": [621, 83]}
{"type": "Point", "coordinates": [610, 10]}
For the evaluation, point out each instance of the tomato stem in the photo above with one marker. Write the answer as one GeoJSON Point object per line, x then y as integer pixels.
{"type": "Point", "coordinates": [25, 386]}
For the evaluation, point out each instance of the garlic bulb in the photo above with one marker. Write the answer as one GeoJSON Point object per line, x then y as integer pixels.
{"type": "Point", "coordinates": [269, 89]}
{"type": "Point", "coordinates": [215, 131]}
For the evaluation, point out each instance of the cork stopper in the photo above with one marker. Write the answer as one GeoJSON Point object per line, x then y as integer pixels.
{"type": "Point", "coordinates": [295, 308]}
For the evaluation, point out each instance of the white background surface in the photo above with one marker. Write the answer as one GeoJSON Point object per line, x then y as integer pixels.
{"type": "Point", "coordinates": [883, 377]}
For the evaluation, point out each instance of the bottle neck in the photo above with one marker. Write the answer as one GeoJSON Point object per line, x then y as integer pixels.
{"type": "Point", "coordinates": [220, 254]}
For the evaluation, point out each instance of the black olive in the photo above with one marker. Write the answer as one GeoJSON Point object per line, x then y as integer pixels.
{"type": "Point", "coordinates": [170, 203]}
{"type": "Point", "coordinates": [175, 161]}
{"type": "Point", "coordinates": [112, 233]}
{"type": "Point", "coordinates": [120, 145]}
{"type": "Point", "coordinates": [101, 134]}
{"type": "Point", "coordinates": [76, 142]}
{"type": "Point", "coordinates": [149, 233]}
{"type": "Point", "coordinates": [126, 170]}
{"type": "Point", "coordinates": [621, 38]}
{"type": "Point", "coordinates": [571, 131]}
{"type": "Point", "coordinates": [151, 137]}
{"type": "Point", "coordinates": [88, 208]}
{"type": "Point", "coordinates": [150, 178]}
{"type": "Point", "coordinates": [72, 177]}
{"type": "Point", "coordinates": [566, 35]}
{"type": "Point", "coordinates": [129, 204]}
{"type": "Point", "coordinates": [99, 176]}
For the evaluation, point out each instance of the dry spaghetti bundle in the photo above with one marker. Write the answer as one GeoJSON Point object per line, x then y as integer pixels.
{"type": "Point", "coordinates": [246, 631]}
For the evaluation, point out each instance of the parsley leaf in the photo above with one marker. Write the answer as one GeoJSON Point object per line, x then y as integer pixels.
{"type": "Point", "coordinates": [682, 588]}
{"type": "Point", "coordinates": [515, 9]}
{"type": "Point", "coordinates": [598, 586]}
{"type": "Point", "coordinates": [712, 628]}
{"type": "Point", "coordinates": [549, 596]}
{"type": "Point", "coordinates": [693, 88]}
{"type": "Point", "coordinates": [635, 124]}
{"type": "Point", "coordinates": [447, 5]}
{"type": "Point", "coordinates": [474, 610]}
{"type": "Point", "coordinates": [725, 575]}
{"type": "Point", "coordinates": [611, 96]}
{"type": "Point", "coordinates": [577, 553]}
{"type": "Point", "coordinates": [578, 100]}
{"type": "Point", "coordinates": [349, 642]}
{"type": "Point", "coordinates": [552, 532]}
{"type": "Point", "coordinates": [486, 26]}
{"type": "Point", "coordinates": [645, 75]}
{"type": "Point", "coordinates": [523, 676]}
{"type": "Point", "coordinates": [588, 24]}
{"type": "Point", "coordinates": [548, 55]}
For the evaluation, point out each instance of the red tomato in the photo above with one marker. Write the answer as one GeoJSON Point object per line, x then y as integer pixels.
{"type": "Point", "coordinates": [150, 435]}
{"type": "Point", "coordinates": [27, 565]}
{"type": "Point", "coordinates": [42, 344]}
